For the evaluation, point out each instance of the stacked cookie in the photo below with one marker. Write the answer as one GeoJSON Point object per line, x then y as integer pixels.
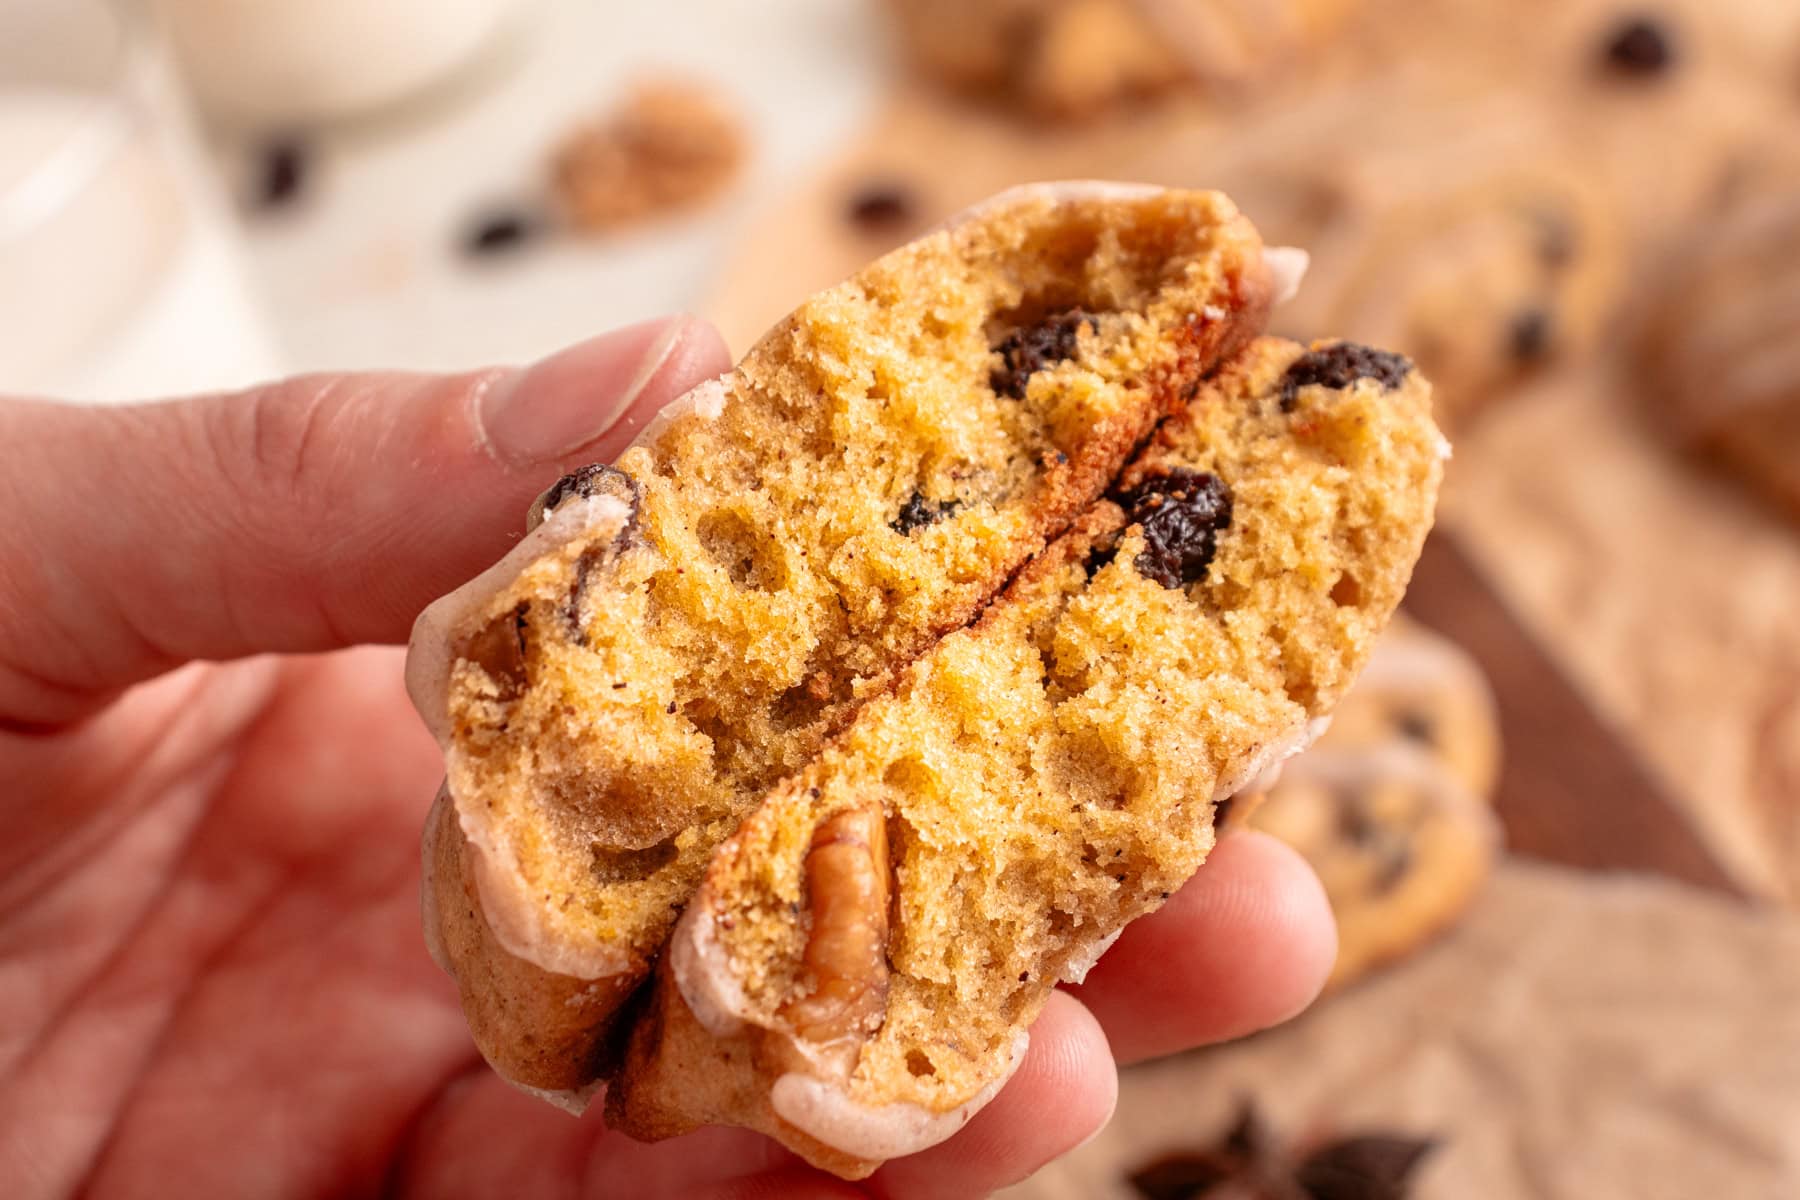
{"type": "Point", "coordinates": [1391, 805]}
{"type": "Point", "coordinates": [888, 677]}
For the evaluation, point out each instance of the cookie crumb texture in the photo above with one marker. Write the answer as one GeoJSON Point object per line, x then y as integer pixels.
{"type": "Point", "coordinates": [1050, 773]}
{"type": "Point", "coordinates": [855, 489]}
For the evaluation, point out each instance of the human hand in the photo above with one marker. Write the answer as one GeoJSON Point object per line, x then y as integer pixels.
{"type": "Point", "coordinates": [212, 976]}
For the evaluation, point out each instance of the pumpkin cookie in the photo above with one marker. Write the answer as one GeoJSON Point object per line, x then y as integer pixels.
{"type": "Point", "coordinates": [683, 630]}
{"type": "Point", "coordinates": [858, 969]}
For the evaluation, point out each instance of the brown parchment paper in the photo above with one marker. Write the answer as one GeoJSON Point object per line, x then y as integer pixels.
{"type": "Point", "coordinates": [1579, 1037]}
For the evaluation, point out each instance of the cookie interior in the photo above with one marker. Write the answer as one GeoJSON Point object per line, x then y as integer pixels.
{"type": "Point", "coordinates": [866, 480]}
{"type": "Point", "coordinates": [1050, 773]}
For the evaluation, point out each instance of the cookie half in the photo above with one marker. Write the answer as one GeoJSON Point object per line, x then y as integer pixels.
{"type": "Point", "coordinates": [857, 972]}
{"type": "Point", "coordinates": [682, 630]}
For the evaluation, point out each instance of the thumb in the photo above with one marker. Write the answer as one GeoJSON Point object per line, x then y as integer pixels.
{"type": "Point", "coordinates": [306, 515]}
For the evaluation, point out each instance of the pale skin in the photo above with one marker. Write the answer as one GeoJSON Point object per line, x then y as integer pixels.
{"type": "Point", "coordinates": [212, 976]}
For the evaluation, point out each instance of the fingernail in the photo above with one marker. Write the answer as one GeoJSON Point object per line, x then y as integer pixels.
{"type": "Point", "coordinates": [553, 408]}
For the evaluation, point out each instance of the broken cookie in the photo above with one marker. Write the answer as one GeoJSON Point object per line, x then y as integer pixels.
{"type": "Point", "coordinates": [681, 631]}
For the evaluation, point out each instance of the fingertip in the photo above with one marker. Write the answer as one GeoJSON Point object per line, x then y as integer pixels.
{"type": "Point", "coordinates": [1276, 890]}
{"type": "Point", "coordinates": [1247, 944]}
{"type": "Point", "coordinates": [691, 352]}
{"type": "Point", "coordinates": [1063, 1093]}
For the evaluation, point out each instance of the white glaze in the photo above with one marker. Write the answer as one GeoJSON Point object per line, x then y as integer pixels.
{"type": "Point", "coordinates": [1287, 267]}
{"type": "Point", "coordinates": [702, 975]}
{"type": "Point", "coordinates": [520, 923]}
{"type": "Point", "coordinates": [430, 917]}
{"type": "Point", "coordinates": [1077, 968]}
{"type": "Point", "coordinates": [428, 657]}
{"type": "Point", "coordinates": [821, 1110]}
{"type": "Point", "coordinates": [570, 1100]}
{"type": "Point", "coordinates": [705, 400]}
{"type": "Point", "coordinates": [1269, 755]}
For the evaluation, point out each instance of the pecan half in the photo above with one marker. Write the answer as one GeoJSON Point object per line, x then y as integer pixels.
{"type": "Point", "coordinates": [846, 950]}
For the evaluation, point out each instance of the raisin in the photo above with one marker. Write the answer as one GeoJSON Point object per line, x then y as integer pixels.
{"type": "Point", "coordinates": [502, 230]}
{"type": "Point", "coordinates": [881, 207]}
{"type": "Point", "coordinates": [919, 512]}
{"type": "Point", "coordinates": [281, 173]}
{"type": "Point", "coordinates": [1181, 513]}
{"type": "Point", "coordinates": [1339, 365]}
{"type": "Point", "coordinates": [1417, 727]}
{"type": "Point", "coordinates": [1640, 47]}
{"type": "Point", "coordinates": [596, 479]}
{"type": "Point", "coordinates": [1248, 1160]}
{"type": "Point", "coordinates": [1025, 352]}
{"type": "Point", "coordinates": [1530, 335]}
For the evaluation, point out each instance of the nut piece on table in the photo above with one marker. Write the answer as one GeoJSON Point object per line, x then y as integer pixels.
{"type": "Point", "coordinates": [668, 146]}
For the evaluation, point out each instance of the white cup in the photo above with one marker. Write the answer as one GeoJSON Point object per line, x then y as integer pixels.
{"type": "Point", "coordinates": [120, 276]}
{"type": "Point", "coordinates": [277, 63]}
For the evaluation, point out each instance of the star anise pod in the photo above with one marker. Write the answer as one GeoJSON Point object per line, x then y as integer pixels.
{"type": "Point", "coordinates": [1250, 1163]}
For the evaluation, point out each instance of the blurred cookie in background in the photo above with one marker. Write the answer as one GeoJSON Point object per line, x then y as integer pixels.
{"type": "Point", "coordinates": [1399, 844]}
{"type": "Point", "coordinates": [1718, 350]}
{"type": "Point", "coordinates": [1075, 59]}
{"type": "Point", "coordinates": [1391, 806]}
{"type": "Point", "coordinates": [1422, 690]}
{"type": "Point", "coordinates": [1485, 270]}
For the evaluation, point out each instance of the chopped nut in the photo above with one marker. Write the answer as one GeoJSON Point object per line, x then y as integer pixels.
{"type": "Point", "coordinates": [669, 145]}
{"type": "Point", "coordinates": [846, 951]}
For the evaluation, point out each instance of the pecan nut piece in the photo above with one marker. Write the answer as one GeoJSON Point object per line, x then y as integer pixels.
{"type": "Point", "coordinates": [846, 949]}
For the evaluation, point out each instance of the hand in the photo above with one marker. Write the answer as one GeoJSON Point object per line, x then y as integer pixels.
{"type": "Point", "coordinates": [212, 977]}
